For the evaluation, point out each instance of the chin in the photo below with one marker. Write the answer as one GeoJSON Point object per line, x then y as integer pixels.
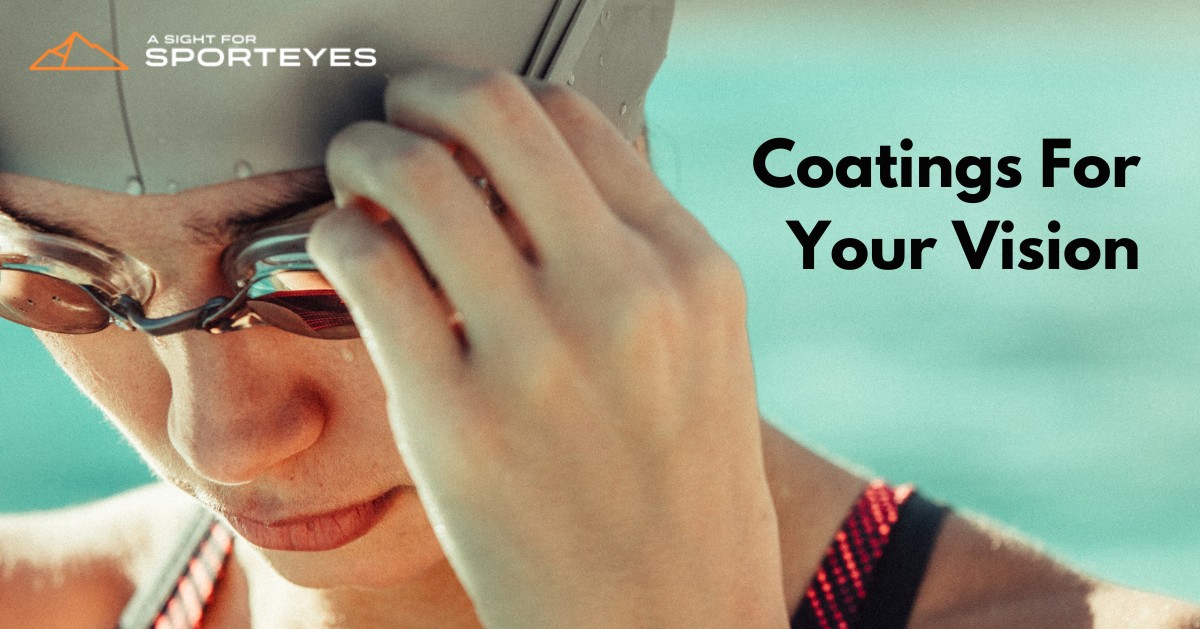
{"type": "Point", "coordinates": [400, 548]}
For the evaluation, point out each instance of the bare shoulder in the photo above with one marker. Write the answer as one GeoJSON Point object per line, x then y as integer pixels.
{"type": "Point", "coordinates": [76, 567]}
{"type": "Point", "coordinates": [983, 576]}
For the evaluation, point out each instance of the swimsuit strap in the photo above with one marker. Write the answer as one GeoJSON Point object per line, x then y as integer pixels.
{"type": "Point", "coordinates": [185, 583]}
{"type": "Point", "coordinates": [872, 570]}
{"type": "Point", "coordinates": [868, 578]}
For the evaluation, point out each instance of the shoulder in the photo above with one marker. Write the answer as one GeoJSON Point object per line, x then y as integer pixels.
{"type": "Point", "coordinates": [983, 576]}
{"type": "Point", "coordinates": [78, 566]}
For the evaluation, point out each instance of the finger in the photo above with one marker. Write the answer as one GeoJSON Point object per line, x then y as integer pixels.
{"type": "Point", "coordinates": [622, 175]}
{"type": "Point", "coordinates": [406, 326]}
{"type": "Point", "coordinates": [498, 121]}
{"type": "Point", "coordinates": [700, 272]}
{"type": "Point", "coordinates": [416, 180]}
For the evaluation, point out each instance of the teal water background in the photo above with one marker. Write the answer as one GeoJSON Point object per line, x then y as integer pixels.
{"type": "Point", "coordinates": [1062, 403]}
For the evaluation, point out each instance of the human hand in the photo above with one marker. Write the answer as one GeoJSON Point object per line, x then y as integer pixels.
{"type": "Point", "coordinates": [587, 443]}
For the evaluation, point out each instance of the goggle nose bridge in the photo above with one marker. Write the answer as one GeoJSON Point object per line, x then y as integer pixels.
{"type": "Point", "coordinates": [256, 257]}
{"type": "Point", "coordinates": [218, 315]}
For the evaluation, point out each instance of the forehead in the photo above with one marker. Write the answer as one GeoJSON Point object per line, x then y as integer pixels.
{"type": "Point", "coordinates": [218, 212]}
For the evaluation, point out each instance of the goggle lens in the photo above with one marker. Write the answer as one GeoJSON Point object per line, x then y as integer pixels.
{"type": "Point", "coordinates": [48, 303]}
{"type": "Point", "coordinates": [301, 302]}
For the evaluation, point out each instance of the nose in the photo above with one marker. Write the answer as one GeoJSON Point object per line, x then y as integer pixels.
{"type": "Point", "coordinates": [242, 404]}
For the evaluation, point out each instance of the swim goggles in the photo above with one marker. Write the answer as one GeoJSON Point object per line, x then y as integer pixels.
{"type": "Point", "coordinates": [61, 284]}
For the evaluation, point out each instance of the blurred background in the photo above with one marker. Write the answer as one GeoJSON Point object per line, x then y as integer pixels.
{"type": "Point", "coordinates": [1061, 403]}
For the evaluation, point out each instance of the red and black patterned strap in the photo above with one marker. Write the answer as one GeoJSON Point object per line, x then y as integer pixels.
{"type": "Point", "coordinates": [874, 565]}
{"type": "Point", "coordinates": [184, 608]}
{"type": "Point", "coordinates": [186, 578]}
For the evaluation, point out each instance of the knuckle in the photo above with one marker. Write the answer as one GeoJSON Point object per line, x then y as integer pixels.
{"type": "Point", "coordinates": [370, 152]}
{"type": "Point", "coordinates": [541, 372]}
{"type": "Point", "coordinates": [414, 84]}
{"type": "Point", "coordinates": [495, 93]}
{"type": "Point", "coordinates": [712, 276]}
{"type": "Point", "coordinates": [415, 162]}
{"type": "Point", "coordinates": [373, 257]}
{"type": "Point", "coordinates": [566, 104]}
{"type": "Point", "coordinates": [402, 87]}
{"type": "Point", "coordinates": [352, 140]}
{"type": "Point", "coordinates": [650, 313]}
{"type": "Point", "coordinates": [495, 87]}
{"type": "Point", "coordinates": [478, 441]}
{"type": "Point", "coordinates": [369, 255]}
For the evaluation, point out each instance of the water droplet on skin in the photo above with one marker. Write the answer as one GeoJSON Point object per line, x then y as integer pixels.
{"type": "Point", "coordinates": [56, 298]}
{"type": "Point", "coordinates": [606, 16]}
{"type": "Point", "coordinates": [624, 109]}
{"type": "Point", "coordinates": [601, 61]}
{"type": "Point", "coordinates": [133, 185]}
{"type": "Point", "coordinates": [242, 169]}
{"type": "Point", "coordinates": [172, 187]}
{"type": "Point", "coordinates": [571, 80]}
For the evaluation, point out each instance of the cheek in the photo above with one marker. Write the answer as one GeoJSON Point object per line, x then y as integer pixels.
{"type": "Point", "coordinates": [125, 376]}
{"type": "Point", "coordinates": [356, 403]}
{"type": "Point", "coordinates": [121, 374]}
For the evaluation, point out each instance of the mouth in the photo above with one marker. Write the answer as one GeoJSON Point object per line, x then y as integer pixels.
{"type": "Point", "coordinates": [315, 532]}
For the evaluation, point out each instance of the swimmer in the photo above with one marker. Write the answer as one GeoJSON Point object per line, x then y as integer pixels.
{"type": "Point", "coordinates": [463, 363]}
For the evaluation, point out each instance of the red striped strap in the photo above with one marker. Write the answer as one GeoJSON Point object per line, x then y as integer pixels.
{"type": "Point", "coordinates": [834, 599]}
{"type": "Point", "coordinates": [184, 608]}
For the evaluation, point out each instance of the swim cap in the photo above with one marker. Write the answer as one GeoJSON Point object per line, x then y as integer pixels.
{"type": "Point", "coordinates": [214, 90]}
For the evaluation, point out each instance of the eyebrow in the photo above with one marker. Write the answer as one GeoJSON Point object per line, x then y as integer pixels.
{"type": "Point", "coordinates": [9, 209]}
{"type": "Point", "coordinates": [302, 193]}
{"type": "Point", "coordinates": [299, 194]}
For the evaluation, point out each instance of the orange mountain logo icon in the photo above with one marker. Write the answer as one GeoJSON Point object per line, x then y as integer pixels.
{"type": "Point", "coordinates": [77, 53]}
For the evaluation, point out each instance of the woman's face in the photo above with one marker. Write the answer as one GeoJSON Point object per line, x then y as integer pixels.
{"type": "Point", "coordinates": [285, 435]}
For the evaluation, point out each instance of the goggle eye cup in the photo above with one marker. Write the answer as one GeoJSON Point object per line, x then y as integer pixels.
{"type": "Point", "coordinates": [49, 304]}
{"type": "Point", "coordinates": [282, 285]}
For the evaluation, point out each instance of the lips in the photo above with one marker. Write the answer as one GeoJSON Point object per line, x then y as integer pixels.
{"type": "Point", "coordinates": [322, 531]}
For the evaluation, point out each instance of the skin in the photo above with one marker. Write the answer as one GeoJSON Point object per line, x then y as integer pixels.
{"type": "Point", "coordinates": [582, 448]}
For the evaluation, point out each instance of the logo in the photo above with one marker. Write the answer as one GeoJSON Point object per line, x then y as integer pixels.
{"type": "Point", "coordinates": [77, 53]}
{"type": "Point", "coordinates": [212, 50]}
